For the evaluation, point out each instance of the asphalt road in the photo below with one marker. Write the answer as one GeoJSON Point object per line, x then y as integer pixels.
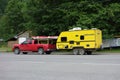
{"type": "Point", "coordinates": [59, 67]}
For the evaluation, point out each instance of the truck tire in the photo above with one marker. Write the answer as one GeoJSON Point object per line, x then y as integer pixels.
{"type": "Point", "coordinates": [81, 51]}
{"type": "Point", "coordinates": [40, 51]}
{"type": "Point", "coordinates": [48, 52]}
{"type": "Point", "coordinates": [25, 52]}
{"type": "Point", "coordinates": [75, 51]}
{"type": "Point", "coordinates": [17, 51]}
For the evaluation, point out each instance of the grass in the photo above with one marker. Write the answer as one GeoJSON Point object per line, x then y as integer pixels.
{"type": "Point", "coordinates": [5, 49]}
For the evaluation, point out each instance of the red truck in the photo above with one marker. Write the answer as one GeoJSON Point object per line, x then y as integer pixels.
{"type": "Point", "coordinates": [40, 44]}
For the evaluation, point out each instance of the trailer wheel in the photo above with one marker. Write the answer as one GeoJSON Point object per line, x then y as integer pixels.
{"type": "Point", "coordinates": [17, 51]}
{"type": "Point", "coordinates": [40, 51]}
{"type": "Point", "coordinates": [81, 51]}
{"type": "Point", "coordinates": [75, 51]}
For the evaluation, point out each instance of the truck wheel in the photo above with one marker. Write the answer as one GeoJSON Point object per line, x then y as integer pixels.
{"type": "Point", "coordinates": [17, 51]}
{"type": "Point", "coordinates": [25, 52]}
{"type": "Point", "coordinates": [75, 51]}
{"type": "Point", "coordinates": [40, 51]}
{"type": "Point", "coordinates": [81, 51]}
{"type": "Point", "coordinates": [48, 52]}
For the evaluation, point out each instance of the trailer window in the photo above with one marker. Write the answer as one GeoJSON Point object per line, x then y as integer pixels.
{"type": "Point", "coordinates": [71, 42]}
{"type": "Point", "coordinates": [82, 37]}
{"type": "Point", "coordinates": [63, 39]}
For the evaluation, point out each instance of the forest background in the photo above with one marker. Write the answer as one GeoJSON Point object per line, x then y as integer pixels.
{"type": "Point", "coordinates": [50, 17]}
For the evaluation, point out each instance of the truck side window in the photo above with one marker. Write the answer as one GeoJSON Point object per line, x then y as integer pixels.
{"type": "Point", "coordinates": [39, 42]}
{"type": "Point", "coordinates": [82, 37]}
{"type": "Point", "coordinates": [52, 41]}
{"type": "Point", "coordinates": [35, 42]}
{"type": "Point", "coordinates": [63, 39]}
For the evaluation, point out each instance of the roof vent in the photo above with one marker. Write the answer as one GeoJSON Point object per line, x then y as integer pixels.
{"type": "Point", "coordinates": [76, 28]}
{"type": "Point", "coordinates": [94, 28]}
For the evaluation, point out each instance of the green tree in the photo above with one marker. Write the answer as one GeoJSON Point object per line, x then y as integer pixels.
{"type": "Point", "coordinates": [44, 18]}
{"type": "Point", "coordinates": [50, 17]}
{"type": "Point", "coordinates": [12, 19]}
{"type": "Point", "coordinates": [3, 4]}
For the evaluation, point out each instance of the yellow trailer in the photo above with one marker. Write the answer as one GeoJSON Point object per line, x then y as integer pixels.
{"type": "Point", "coordinates": [80, 41]}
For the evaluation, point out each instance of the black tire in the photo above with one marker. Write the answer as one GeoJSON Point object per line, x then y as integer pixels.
{"type": "Point", "coordinates": [81, 51]}
{"type": "Point", "coordinates": [75, 51]}
{"type": "Point", "coordinates": [40, 51]}
{"type": "Point", "coordinates": [17, 51]}
{"type": "Point", "coordinates": [48, 52]}
{"type": "Point", "coordinates": [25, 52]}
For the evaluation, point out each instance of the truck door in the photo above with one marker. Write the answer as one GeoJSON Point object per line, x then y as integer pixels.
{"type": "Point", "coordinates": [33, 45]}
{"type": "Point", "coordinates": [24, 46]}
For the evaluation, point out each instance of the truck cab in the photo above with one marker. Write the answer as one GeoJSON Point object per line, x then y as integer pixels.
{"type": "Point", "coordinates": [40, 44]}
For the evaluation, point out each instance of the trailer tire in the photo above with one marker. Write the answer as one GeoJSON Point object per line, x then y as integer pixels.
{"type": "Point", "coordinates": [75, 51]}
{"type": "Point", "coordinates": [81, 51]}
